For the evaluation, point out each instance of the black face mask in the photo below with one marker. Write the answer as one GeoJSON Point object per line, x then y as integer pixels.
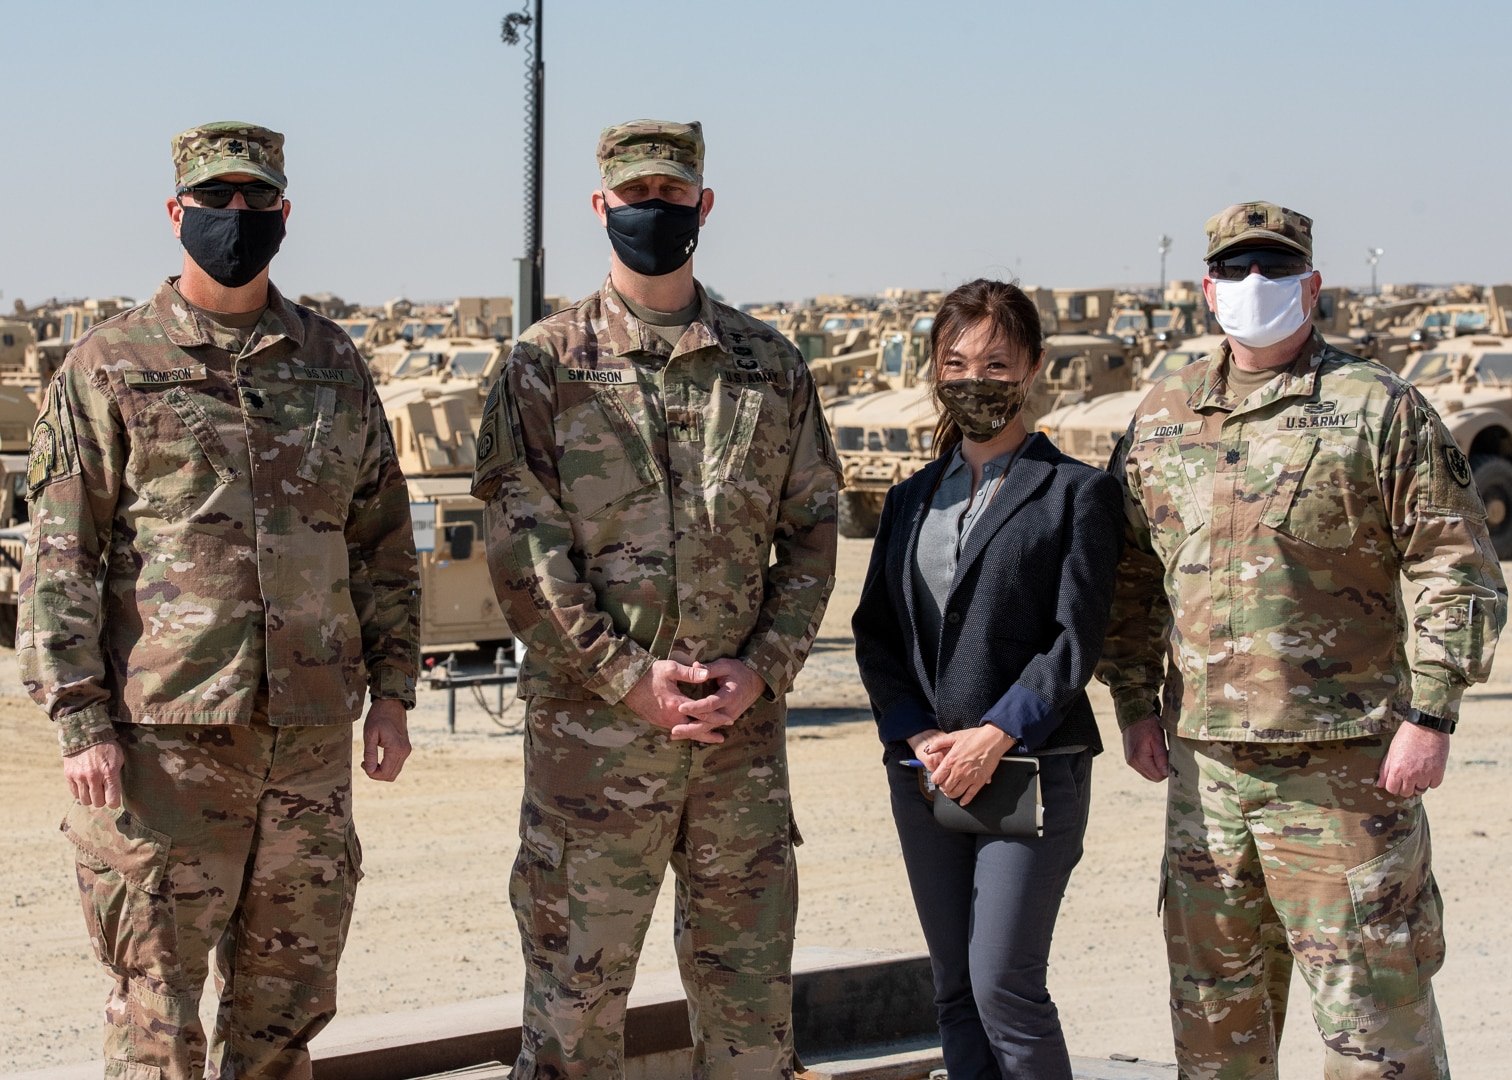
{"type": "Point", "coordinates": [654, 237]}
{"type": "Point", "coordinates": [232, 246]}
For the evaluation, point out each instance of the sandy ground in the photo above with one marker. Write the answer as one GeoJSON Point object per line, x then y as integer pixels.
{"type": "Point", "coordinates": [433, 923]}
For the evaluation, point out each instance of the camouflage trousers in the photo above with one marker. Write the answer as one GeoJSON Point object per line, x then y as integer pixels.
{"type": "Point", "coordinates": [609, 802]}
{"type": "Point", "coordinates": [232, 839]}
{"type": "Point", "coordinates": [1282, 853]}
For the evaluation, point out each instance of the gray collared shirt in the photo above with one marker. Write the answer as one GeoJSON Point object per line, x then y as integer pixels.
{"type": "Point", "coordinates": [953, 510]}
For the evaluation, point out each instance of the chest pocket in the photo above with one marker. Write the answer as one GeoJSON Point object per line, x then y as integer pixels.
{"type": "Point", "coordinates": [1171, 479]}
{"type": "Point", "coordinates": [602, 458]}
{"type": "Point", "coordinates": [328, 416]}
{"type": "Point", "coordinates": [178, 458]}
{"type": "Point", "coordinates": [1315, 495]}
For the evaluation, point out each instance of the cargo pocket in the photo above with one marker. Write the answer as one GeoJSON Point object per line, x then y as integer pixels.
{"type": "Point", "coordinates": [538, 886]}
{"type": "Point", "coordinates": [1313, 495]}
{"type": "Point", "coordinates": [1399, 921]}
{"type": "Point", "coordinates": [334, 447]}
{"type": "Point", "coordinates": [122, 873]}
{"type": "Point", "coordinates": [602, 457]}
{"type": "Point", "coordinates": [352, 874]}
{"type": "Point", "coordinates": [173, 441]}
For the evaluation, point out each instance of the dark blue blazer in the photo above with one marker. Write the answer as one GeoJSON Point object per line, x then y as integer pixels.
{"type": "Point", "coordinates": [1023, 624]}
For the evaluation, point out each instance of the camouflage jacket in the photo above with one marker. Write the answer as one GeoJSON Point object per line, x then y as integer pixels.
{"type": "Point", "coordinates": [247, 513]}
{"type": "Point", "coordinates": [646, 502]}
{"type": "Point", "coordinates": [1266, 545]}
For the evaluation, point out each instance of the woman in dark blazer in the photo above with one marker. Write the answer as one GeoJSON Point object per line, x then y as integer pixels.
{"type": "Point", "coordinates": [979, 624]}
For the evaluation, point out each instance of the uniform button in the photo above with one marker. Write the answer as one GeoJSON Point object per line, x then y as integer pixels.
{"type": "Point", "coordinates": [953, 617]}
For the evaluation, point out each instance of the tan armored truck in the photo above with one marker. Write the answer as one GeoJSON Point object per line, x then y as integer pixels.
{"type": "Point", "coordinates": [434, 397]}
{"type": "Point", "coordinates": [1469, 381]}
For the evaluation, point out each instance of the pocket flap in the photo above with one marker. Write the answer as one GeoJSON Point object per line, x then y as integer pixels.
{"type": "Point", "coordinates": [1391, 879]}
{"type": "Point", "coordinates": [118, 840]}
{"type": "Point", "coordinates": [542, 833]}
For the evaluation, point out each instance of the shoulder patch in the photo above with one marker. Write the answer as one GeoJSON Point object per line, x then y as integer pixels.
{"type": "Point", "coordinates": [54, 453]}
{"type": "Point", "coordinates": [499, 443]}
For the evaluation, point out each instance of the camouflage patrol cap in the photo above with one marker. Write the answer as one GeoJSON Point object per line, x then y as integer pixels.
{"type": "Point", "coordinates": [651, 148]}
{"type": "Point", "coordinates": [1256, 224]}
{"type": "Point", "coordinates": [229, 146]}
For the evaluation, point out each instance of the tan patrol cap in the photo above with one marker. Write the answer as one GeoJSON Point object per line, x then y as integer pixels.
{"type": "Point", "coordinates": [1257, 223]}
{"type": "Point", "coordinates": [651, 148]}
{"type": "Point", "coordinates": [228, 146]}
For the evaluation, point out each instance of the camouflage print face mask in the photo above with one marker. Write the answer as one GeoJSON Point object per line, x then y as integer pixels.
{"type": "Point", "coordinates": [982, 407]}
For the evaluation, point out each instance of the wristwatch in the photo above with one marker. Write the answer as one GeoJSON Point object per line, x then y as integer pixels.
{"type": "Point", "coordinates": [1433, 723]}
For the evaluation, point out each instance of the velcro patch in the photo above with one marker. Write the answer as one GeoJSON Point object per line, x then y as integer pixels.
{"type": "Point", "coordinates": [164, 376]}
{"type": "Point", "coordinates": [596, 375]}
{"type": "Point", "coordinates": [1170, 431]}
{"type": "Point", "coordinates": [326, 374]}
{"type": "Point", "coordinates": [1321, 420]}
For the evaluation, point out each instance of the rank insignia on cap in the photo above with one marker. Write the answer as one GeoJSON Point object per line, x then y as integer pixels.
{"type": "Point", "coordinates": [237, 147]}
{"type": "Point", "coordinates": [1256, 219]}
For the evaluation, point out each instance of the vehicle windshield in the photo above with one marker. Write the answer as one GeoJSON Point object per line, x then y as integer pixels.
{"type": "Point", "coordinates": [833, 323]}
{"type": "Point", "coordinates": [435, 329]}
{"type": "Point", "coordinates": [469, 364]}
{"type": "Point", "coordinates": [1435, 319]}
{"type": "Point", "coordinates": [416, 363]}
{"type": "Point", "coordinates": [923, 324]}
{"type": "Point", "coordinates": [1171, 361]}
{"type": "Point", "coordinates": [1430, 367]}
{"type": "Point", "coordinates": [1469, 322]}
{"type": "Point", "coordinates": [1164, 319]}
{"type": "Point", "coordinates": [849, 438]}
{"type": "Point", "coordinates": [1128, 324]}
{"type": "Point", "coordinates": [356, 331]}
{"type": "Point", "coordinates": [892, 354]}
{"type": "Point", "coordinates": [1495, 369]}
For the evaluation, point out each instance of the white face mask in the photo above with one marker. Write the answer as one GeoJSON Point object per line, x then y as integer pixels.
{"type": "Point", "coordinates": [1261, 311]}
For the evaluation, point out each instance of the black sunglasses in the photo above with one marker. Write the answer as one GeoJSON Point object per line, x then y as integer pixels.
{"type": "Point", "coordinates": [217, 194]}
{"type": "Point", "coordinates": [1270, 262]}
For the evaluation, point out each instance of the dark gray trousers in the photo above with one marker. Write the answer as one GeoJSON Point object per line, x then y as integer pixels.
{"type": "Point", "coordinates": [988, 906]}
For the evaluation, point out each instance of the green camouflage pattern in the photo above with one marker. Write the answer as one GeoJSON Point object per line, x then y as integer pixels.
{"type": "Point", "coordinates": [651, 148]}
{"type": "Point", "coordinates": [1294, 844]}
{"type": "Point", "coordinates": [609, 802]}
{"type": "Point", "coordinates": [1259, 590]}
{"type": "Point", "coordinates": [264, 874]}
{"type": "Point", "coordinates": [648, 502]}
{"type": "Point", "coordinates": [228, 146]}
{"type": "Point", "coordinates": [1256, 224]}
{"type": "Point", "coordinates": [248, 514]}
{"type": "Point", "coordinates": [981, 408]}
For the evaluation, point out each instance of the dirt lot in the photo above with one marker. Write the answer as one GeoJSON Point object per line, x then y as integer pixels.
{"type": "Point", "coordinates": [433, 923]}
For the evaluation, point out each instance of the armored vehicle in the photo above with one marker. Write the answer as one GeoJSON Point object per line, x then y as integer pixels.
{"type": "Point", "coordinates": [1469, 381]}
{"type": "Point", "coordinates": [433, 395]}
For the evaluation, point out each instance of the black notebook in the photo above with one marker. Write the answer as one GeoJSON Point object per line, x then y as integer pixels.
{"type": "Point", "coordinates": [1008, 806]}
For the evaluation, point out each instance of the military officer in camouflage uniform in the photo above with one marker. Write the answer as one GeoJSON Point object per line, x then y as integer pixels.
{"type": "Point", "coordinates": [221, 568]}
{"type": "Point", "coordinates": [1279, 493]}
{"type": "Point", "coordinates": [661, 496]}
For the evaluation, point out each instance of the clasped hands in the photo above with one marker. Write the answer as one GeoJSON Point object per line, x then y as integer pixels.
{"type": "Point", "coordinates": [659, 699]}
{"type": "Point", "coordinates": [961, 763]}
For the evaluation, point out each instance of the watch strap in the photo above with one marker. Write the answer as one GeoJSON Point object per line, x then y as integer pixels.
{"type": "Point", "coordinates": [1446, 724]}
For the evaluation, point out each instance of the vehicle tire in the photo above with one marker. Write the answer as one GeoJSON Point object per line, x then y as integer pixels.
{"type": "Point", "coordinates": [1493, 479]}
{"type": "Point", "coordinates": [858, 515]}
{"type": "Point", "coordinates": [8, 625]}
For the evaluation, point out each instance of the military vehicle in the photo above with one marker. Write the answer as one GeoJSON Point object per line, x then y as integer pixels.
{"type": "Point", "coordinates": [433, 395]}
{"type": "Point", "coordinates": [1469, 381]}
{"type": "Point", "coordinates": [887, 436]}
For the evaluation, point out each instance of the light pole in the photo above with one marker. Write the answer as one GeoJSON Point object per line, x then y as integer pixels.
{"type": "Point", "coordinates": [1373, 256]}
{"type": "Point", "coordinates": [533, 263]}
{"type": "Point", "coordinates": [1165, 246]}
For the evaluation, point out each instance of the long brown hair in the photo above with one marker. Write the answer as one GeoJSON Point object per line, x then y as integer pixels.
{"type": "Point", "coordinates": [1014, 319]}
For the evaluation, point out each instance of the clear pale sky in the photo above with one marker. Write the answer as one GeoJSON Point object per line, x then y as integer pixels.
{"type": "Point", "coordinates": [852, 146]}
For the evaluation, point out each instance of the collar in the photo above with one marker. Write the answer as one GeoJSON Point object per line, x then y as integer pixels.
{"type": "Point", "coordinates": [624, 333]}
{"type": "Point", "coordinates": [1297, 379]}
{"type": "Point", "coordinates": [999, 464]}
{"type": "Point", "coordinates": [187, 329]}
